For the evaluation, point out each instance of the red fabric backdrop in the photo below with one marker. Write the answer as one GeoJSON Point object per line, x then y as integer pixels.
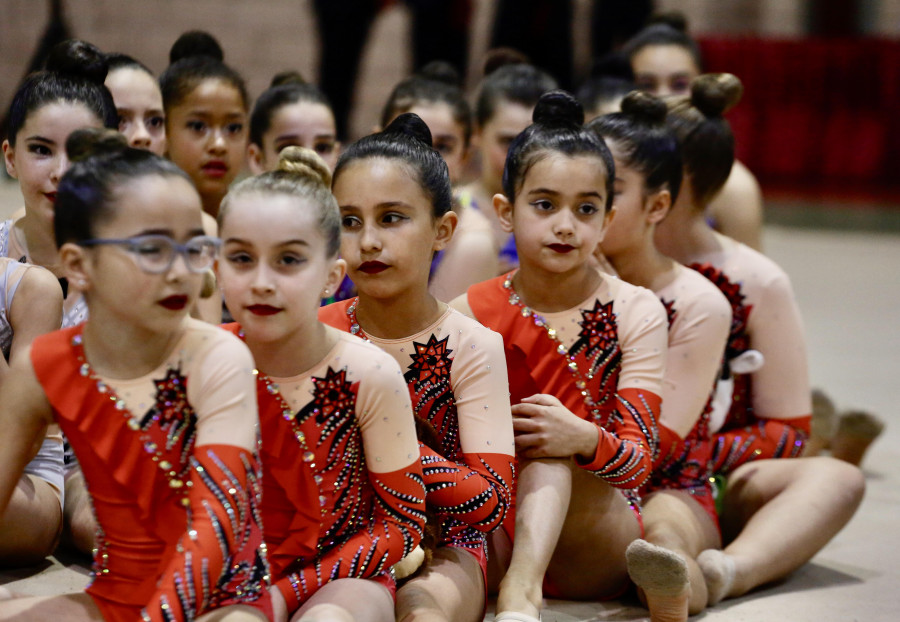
{"type": "Point", "coordinates": [815, 111]}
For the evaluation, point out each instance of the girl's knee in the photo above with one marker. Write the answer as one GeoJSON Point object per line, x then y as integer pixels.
{"type": "Point", "coordinates": [325, 612]}
{"type": "Point", "coordinates": [844, 478]}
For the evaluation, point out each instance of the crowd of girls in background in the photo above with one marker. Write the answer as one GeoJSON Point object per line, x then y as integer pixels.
{"type": "Point", "coordinates": [426, 391]}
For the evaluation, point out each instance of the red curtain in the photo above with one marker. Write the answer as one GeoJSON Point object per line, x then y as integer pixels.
{"type": "Point", "coordinates": [815, 111]}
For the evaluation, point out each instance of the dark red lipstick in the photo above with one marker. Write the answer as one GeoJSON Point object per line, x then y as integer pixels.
{"type": "Point", "coordinates": [263, 309]}
{"type": "Point", "coordinates": [373, 267]}
{"type": "Point", "coordinates": [562, 248]}
{"type": "Point", "coordinates": [174, 303]}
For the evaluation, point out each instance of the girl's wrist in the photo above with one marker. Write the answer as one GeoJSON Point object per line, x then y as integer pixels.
{"type": "Point", "coordinates": [589, 439]}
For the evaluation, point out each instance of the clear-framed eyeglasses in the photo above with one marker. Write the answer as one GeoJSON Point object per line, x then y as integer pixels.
{"type": "Point", "coordinates": [156, 253]}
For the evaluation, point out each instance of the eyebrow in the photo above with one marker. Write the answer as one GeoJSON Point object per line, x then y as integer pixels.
{"type": "Point", "coordinates": [168, 232]}
{"type": "Point", "coordinates": [590, 193]}
{"type": "Point", "coordinates": [207, 114]}
{"type": "Point", "coordinates": [41, 139]}
{"type": "Point", "coordinates": [384, 205]}
{"type": "Point", "coordinates": [158, 111]}
{"type": "Point", "coordinates": [297, 137]}
{"type": "Point", "coordinates": [285, 243]}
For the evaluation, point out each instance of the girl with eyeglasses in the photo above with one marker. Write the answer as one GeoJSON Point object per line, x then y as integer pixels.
{"type": "Point", "coordinates": [160, 408]}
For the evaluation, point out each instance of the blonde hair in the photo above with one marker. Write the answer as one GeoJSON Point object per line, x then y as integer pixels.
{"type": "Point", "coordinates": [302, 174]}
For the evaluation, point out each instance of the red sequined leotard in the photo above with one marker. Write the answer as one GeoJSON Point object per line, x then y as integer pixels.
{"type": "Point", "coordinates": [342, 493]}
{"type": "Point", "coordinates": [770, 411]}
{"type": "Point", "coordinates": [456, 376]}
{"type": "Point", "coordinates": [603, 359]}
{"type": "Point", "coordinates": [699, 319]}
{"type": "Point", "coordinates": [178, 523]}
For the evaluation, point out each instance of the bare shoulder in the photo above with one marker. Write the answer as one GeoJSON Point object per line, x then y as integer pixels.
{"type": "Point", "coordinates": [38, 281]}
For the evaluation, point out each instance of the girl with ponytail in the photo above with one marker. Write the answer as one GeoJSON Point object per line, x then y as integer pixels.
{"type": "Point", "coordinates": [394, 195]}
{"type": "Point", "coordinates": [343, 494]}
{"type": "Point", "coordinates": [677, 501]}
{"type": "Point", "coordinates": [158, 407]}
{"type": "Point", "coordinates": [665, 59]}
{"type": "Point", "coordinates": [764, 417]}
{"type": "Point", "coordinates": [585, 353]}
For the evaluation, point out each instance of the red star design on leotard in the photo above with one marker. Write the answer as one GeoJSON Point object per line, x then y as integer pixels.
{"type": "Point", "coordinates": [332, 394]}
{"type": "Point", "coordinates": [671, 311]}
{"type": "Point", "coordinates": [598, 331]}
{"type": "Point", "coordinates": [738, 340]}
{"type": "Point", "coordinates": [172, 410]}
{"type": "Point", "coordinates": [430, 363]}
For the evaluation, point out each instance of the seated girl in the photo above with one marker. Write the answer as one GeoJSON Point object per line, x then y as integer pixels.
{"type": "Point", "coordinates": [394, 195]}
{"type": "Point", "coordinates": [678, 504]}
{"type": "Point", "coordinates": [159, 408]}
{"type": "Point", "coordinates": [586, 354]}
{"type": "Point", "coordinates": [767, 529]}
{"type": "Point", "coordinates": [343, 494]}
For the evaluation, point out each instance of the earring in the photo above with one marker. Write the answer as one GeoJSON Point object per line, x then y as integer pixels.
{"type": "Point", "coordinates": [326, 292]}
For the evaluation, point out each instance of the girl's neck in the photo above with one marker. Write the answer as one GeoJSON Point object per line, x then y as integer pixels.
{"type": "Point", "coordinates": [120, 350]}
{"type": "Point", "coordinates": [211, 204]}
{"type": "Point", "coordinates": [399, 316]}
{"type": "Point", "coordinates": [644, 265]}
{"type": "Point", "coordinates": [38, 242]}
{"type": "Point", "coordinates": [687, 237]}
{"type": "Point", "coordinates": [295, 355]}
{"type": "Point", "coordinates": [547, 292]}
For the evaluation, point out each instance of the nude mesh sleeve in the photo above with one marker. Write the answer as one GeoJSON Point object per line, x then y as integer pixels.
{"type": "Point", "coordinates": [385, 418]}
{"type": "Point", "coordinates": [626, 446]}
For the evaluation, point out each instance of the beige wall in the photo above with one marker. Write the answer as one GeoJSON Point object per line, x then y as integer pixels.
{"type": "Point", "coordinates": [261, 37]}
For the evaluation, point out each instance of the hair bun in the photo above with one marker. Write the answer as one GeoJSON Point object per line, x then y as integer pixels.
{"type": "Point", "coordinates": [91, 141]}
{"type": "Point", "coordinates": [79, 59]}
{"type": "Point", "coordinates": [713, 94]}
{"type": "Point", "coordinates": [440, 71]}
{"type": "Point", "coordinates": [409, 124]}
{"type": "Point", "coordinates": [196, 43]}
{"type": "Point", "coordinates": [675, 20]}
{"type": "Point", "coordinates": [289, 76]}
{"type": "Point", "coordinates": [500, 57]}
{"type": "Point", "coordinates": [304, 163]}
{"type": "Point", "coordinates": [558, 109]}
{"type": "Point", "coordinates": [645, 108]}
